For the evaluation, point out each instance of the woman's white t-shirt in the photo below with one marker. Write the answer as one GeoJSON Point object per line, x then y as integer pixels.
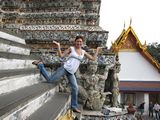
{"type": "Point", "coordinates": [74, 60]}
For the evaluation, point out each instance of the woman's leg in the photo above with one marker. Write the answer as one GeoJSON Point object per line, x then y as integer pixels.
{"type": "Point", "coordinates": [74, 90]}
{"type": "Point", "coordinates": [55, 76]}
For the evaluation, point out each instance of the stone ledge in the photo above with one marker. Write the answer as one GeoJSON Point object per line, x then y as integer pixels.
{"type": "Point", "coordinates": [11, 32]}
{"type": "Point", "coordinates": [53, 108]}
{"type": "Point", "coordinates": [8, 73]}
{"type": "Point", "coordinates": [13, 43]}
{"type": "Point", "coordinates": [10, 37]}
{"type": "Point", "coordinates": [14, 49]}
{"type": "Point", "coordinates": [60, 27]}
{"type": "Point", "coordinates": [88, 115]}
{"type": "Point", "coordinates": [18, 56]}
{"type": "Point", "coordinates": [10, 104]}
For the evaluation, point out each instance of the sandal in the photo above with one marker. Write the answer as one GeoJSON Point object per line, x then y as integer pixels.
{"type": "Point", "coordinates": [36, 62]}
{"type": "Point", "coordinates": [76, 110]}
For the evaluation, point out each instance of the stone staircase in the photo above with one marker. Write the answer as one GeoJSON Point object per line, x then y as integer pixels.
{"type": "Point", "coordinates": [23, 92]}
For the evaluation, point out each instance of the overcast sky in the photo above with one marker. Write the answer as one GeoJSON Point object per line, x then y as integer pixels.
{"type": "Point", "coordinates": [145, 16]}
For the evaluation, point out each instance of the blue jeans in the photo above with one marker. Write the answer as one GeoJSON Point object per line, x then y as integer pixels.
{"type": "Point", "coordinates": [57, 75]}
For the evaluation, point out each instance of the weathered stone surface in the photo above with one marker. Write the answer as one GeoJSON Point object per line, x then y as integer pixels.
{"type": "Point", "coordinates": [59, 20]}
{"type": "Point", "coordinates": [7, 64]}
{"type": "Point", "coordinates": [22, 92]}
{"type": "Point", "coordinates": [9, 84]}
{"type": "Point", "coordinates": [40, 22]}
{"type": "Point", "coordinates": [14, 49]}
{"type": "Point", "coordinates": [22, 103]}
{"type": "Point", "coordinates": [11, 37]}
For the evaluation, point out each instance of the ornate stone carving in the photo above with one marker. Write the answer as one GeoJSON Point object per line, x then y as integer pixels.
{"type": "Point", "coordinates": [53, 15]}
{"type": "Point", "coordinates": [42, 36]}
{"type": "Point", "coordinates": [92, 86]}
{"type": "Point", "coordinates": [62, 27]}
{"type": "Point", "coordinates": [47, 17]}
{"type": "Point", "coordinates": [112, 82]}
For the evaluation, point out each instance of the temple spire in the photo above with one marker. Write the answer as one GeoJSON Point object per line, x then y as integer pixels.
{"type": "Point", "coordinates": [124, 25]}
{"type": "Point", "coordinates": [130, 21]}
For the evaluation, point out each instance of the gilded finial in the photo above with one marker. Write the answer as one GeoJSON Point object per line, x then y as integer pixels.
{"type": "Point", "coordinates": [145, 45]}
{"type": "Point", "coordinates": [130, 21]}
{"type": "Point", "coordinates": [124, 25]}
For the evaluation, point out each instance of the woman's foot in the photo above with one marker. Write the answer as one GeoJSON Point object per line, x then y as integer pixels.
{"type": "Point", "coordinates": [76, 110]}
{"type": "Point", "coordinates": [36, 62]}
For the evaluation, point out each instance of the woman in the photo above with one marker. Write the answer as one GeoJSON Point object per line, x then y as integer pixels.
{"type": "Point", "coordinates": [75, 55]}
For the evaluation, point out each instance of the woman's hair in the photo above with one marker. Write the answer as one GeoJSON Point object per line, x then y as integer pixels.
{"type": "Point", "coordinates": [79, 37]}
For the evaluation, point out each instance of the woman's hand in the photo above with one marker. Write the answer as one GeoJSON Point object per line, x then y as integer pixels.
{"type": "Point", "coordinates": [60, 54]}
{"type": "Point", "coordinates": [57, 43]}
{"type": "Point", "coordinates": [59, 49]}
{"type": "Point", "coordinates": [98, 48]}
{"type": "Point", "coordinates": [94, 57]}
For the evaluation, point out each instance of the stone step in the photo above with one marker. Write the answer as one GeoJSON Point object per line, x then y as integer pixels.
{"type": "Point", "coordinates": [79, 115]}
{"type": "Point", "coordinates": [17, 56]}
{"type": "Point", "coordinates": [15, 72]}
{"type": "Point", "coordinates": [14, 43]}
{"type": "Point", "coordinates": [10, 64]}
{"type": "Point", "coordinates": [10, 37]}
{"type": "Point", "coordinates": [53, 108]}
{"type": "Point", "coordinates": [13, 47]}
{"type": "Point", "coordinates": [15, 61]}
{"type": "Point", "coordinates": [12, 83]}
{"type": "Point", "coordinates": [20, 104]}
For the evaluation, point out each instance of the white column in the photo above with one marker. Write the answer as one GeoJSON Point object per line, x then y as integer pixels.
{"type": "Point", "coordinates": [146, 100]}
{"type": "Point", "coordinates": [119, 98]}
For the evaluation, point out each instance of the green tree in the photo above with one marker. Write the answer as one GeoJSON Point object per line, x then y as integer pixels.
{"type": "Point", "coordinates": [154, 50]}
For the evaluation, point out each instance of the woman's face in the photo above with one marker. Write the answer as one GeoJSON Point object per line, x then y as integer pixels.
{"type": "Point", "coordinates": [78, 43]}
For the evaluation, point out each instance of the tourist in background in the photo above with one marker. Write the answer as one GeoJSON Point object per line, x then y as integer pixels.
{"type": "Point", "coordinates": [131, 112]}
{"type": "Point", "coordinates": [141, 108]}
{"type": "Point", "coordinates": [151, 105]}
{"type": "Point", "coordinates": [156, 108]}
{"type": "Point", "coordinates": [131, 109]}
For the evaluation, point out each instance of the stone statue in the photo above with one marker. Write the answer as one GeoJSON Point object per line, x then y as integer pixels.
{"type": "Point", "coordinates": [92, 86]}
{"type": "Point", "coordinates": [115, 82]}
{"type": "Point", "coordinates": [112, 82]}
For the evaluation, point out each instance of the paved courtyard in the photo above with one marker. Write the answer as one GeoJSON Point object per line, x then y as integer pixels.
{"type": "Point", "coordinates": [146, 117]}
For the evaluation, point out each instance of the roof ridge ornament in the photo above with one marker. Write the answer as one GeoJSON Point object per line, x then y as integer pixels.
{"type": "Point", "coordinates": [145, 45]}
{"type": "Point", "coordinates": [124, 25]}
{"type": "Point", "coordinates": [130, 21]}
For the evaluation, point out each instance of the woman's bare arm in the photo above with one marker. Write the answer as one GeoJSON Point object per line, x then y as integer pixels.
{"type": "Point", "coordinates": [94, 57]}
{"type": "Point", "coordinates": [60, 54]}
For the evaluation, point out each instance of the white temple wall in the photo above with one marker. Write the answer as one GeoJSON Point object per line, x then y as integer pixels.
{"type": "Point", "coordinates": [134, 67]}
